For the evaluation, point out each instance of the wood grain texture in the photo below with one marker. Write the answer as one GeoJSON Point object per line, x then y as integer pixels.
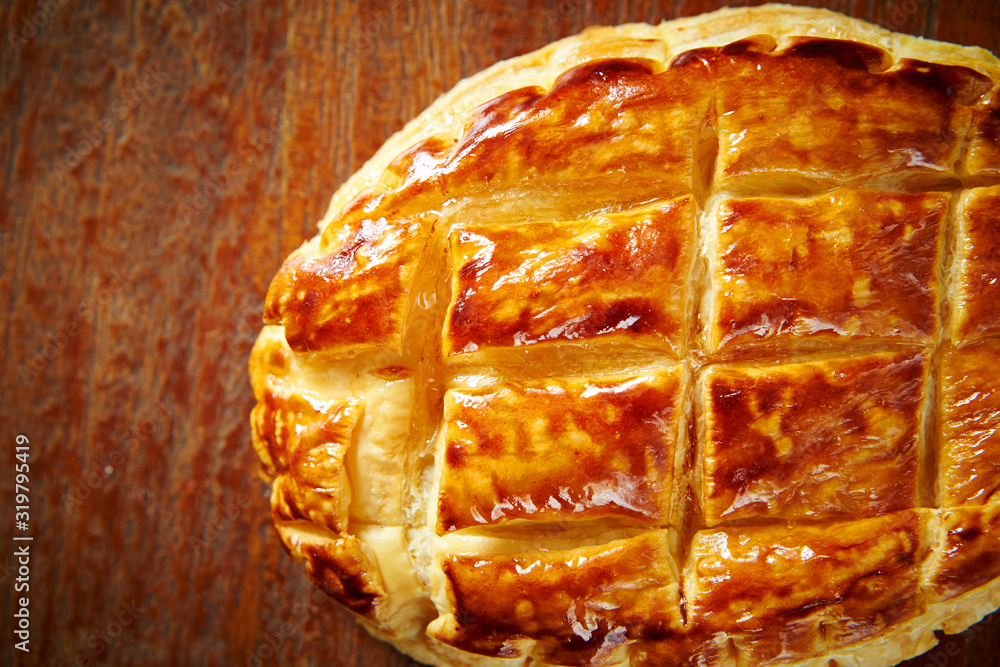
{"type": "Point", "coordinates": [159, 160]}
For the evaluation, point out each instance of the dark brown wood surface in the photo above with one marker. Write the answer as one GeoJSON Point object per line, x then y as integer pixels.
{"type": "Point", "coordinates": [159, 161]}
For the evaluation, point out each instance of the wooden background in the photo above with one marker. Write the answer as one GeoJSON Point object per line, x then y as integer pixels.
{"type": "Point", "coordinates": [159, 161]}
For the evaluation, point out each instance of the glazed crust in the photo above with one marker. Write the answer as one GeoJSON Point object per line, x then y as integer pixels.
{"type": "Point", "coordinates": [863, 577]}
{"type": "Point", "coordinates": [559, 450]}
{"type": "Point", "coordinates": [819, 439]}
{"type": "Point", "coordinates": [622, 276]}
{"type": "Point", "coordinates": [977, 266]}
{"type": "Point", "coordinates": [623, 590]}
{"type": "Point", "coordinates": [839, 266]}
{"type": "Point", "coordinates": [661, 345]}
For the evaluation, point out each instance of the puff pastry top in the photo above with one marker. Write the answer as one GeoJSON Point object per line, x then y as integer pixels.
{"type": "Point", "coordinates": [662, 345]}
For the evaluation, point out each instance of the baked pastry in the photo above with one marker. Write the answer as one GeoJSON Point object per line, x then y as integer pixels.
{"type": "Point", "coordinates": [661, 345]}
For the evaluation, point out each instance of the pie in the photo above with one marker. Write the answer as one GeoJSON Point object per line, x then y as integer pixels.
{"type": "Point", "coordinates": [661, 345]}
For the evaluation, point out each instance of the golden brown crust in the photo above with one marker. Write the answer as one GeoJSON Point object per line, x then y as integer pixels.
{"type": "Point", "coordinates": [983, 155]}
{"type": "Point", "coordinates": [851, 264]}
{"type": "Point", "coordinates": [969, 465]}
{"type": "Point", "coordinates": [610, 595]}
{"type": "Point", "coordinates": [790, 111]}
{"type": "Point", "coordinates": [976, 299]}
{"type": "Point", "coordinates": [617, 277]}
{"type": "Point", "coordinates": [559, 450]}
{"type": "Point", "coordinates": [794, 592]}
{"type": "Point", "coordinates": [339, 566]}
{"type": "Point", "coordinates": [830, 438]}
{"type": "Point", "coordinates": [305, 445]}
{"type": "Point", "coordinates": [355, 295]}
{"type": "Point", "coordinates": [381, 427]}
{"type": "Point", "coordinates": [635, 129]}
{"type": "Point", "coordinates": [968, 551]}
{"type": "Point", "coordinates": [685, 650]}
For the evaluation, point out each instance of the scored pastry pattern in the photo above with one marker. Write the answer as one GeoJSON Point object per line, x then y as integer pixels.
{"type": "Point", "coordinates": [685, 361]}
